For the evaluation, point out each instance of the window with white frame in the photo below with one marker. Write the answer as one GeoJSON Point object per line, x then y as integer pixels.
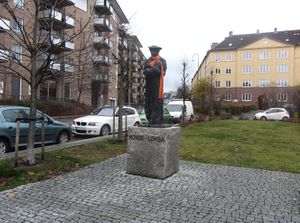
{"type": "Point", "coordinates": [282, 96]}
{"type": "Point", "coordinates": [217, 84]}
{"type": "Point", "coordinates": [228, 70]}
{"type": "Point", "coordinates": [282, 83]}
{"type": "Point", "coordinates": [247, 69]}
{"type": "Point", "coordinates": [228, 57]}
{"type": "Point", "coordinates": [217, 97]}
{"type": "Point", "coordinates": [228, 84]}
{"type": "Point", "coordinates": [217, 71]}
{"type": "Point", "coordinates": [17, 53]}
{"type": "Point", "coordinates": [17, 25]}
{"type": "Point", "coordinates": [82, 4]}
{"type": "Point", "coordinates": [19, 3]}
{"type": "Point", "coordinates": [264, 83]}
{"type": "Point", "coordinates": [282, 54]}
{"type": "Point", "coordinates": [247, 55]}
{"type": "Point", "coordinates": [227, 97]}
{"type": "Point", "coordinates": [217, 57]}
{"type": "Point", "coordinates": [264, 69]}
{"type": "Point", "coordinates": [264, 54]}
{"type": "Point", "coordinates": [282, 68]}
{"type": "Point", "coordinates": [247, 83]}
{"type": "Point", "coordinates": [246, 97]}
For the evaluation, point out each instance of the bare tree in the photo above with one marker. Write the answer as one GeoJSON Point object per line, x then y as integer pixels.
{"type": "Point", "coordinates": [34, 61]}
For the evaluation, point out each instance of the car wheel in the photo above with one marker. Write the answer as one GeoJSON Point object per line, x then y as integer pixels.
{"type": "Point", "coordinates": [3, 147]}
{"type": "Point", "coordinates": [136, 124]}
{"type": "Point", "coordinates": [285, 118]}
{"type": "Point", "coordinates": [263, 118]}
{"type": "Point", "coordinates": [191, 118]}
{"type": "Point", "coordinates": [63, 137]}
{"type": "Point", "coordinates": [105, 130]}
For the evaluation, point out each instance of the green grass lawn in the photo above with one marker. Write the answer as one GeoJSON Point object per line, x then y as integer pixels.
{"type": "Point", "coordinates": [256, 144]}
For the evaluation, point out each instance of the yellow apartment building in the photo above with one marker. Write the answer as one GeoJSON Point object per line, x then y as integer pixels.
{"type": "Point", "coordinates": [256, 69]}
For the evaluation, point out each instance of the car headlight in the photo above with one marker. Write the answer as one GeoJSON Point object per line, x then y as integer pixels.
{"type": "Point", "coordinates": [93, 124]}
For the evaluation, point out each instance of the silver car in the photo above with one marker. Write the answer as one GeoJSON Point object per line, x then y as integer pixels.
{"type": "Point", "coordinates": [273, 114]}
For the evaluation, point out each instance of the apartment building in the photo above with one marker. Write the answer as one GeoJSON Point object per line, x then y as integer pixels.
{"type": "Point", "coordinates": [82, 39]}
{"type": "Point", "coordinates": [256, 69]}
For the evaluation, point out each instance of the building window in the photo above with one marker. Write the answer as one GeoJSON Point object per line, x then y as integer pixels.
{"type": "Point", "coordinates": [264, 83]}
{"type": "Point", "coordinates": [282, 54]}
{"type": "Point", "coordinates": [282, 83]}
{"type": "Point", "coordinates": [282, 68]}
{"type": "Point", "coordinates": [246, 97]}
{"type": "Point", "coordinates": [217, 71]}
{"type": "Point", "coordinates": [228, 57]}
{"type": "Point", "coordinates": [217, 57]}
{"type": "Point", "coordinates": [17, 53]}
{"type": "Point", "coordinates": [19, 3]}
{"type": "Point", "coordinates": [247, 55]}
{"type": "Point", "coordinates": [228, 70]}
{"type": "Point", "coordinates": [247, 69]}
{"type": "Point", "coordinates": [82, 4]}
{"type": "Point", "coordinates": [264, 69]}
{"type": "Point", "coordinates": [67, 90]}
{"type": "Point", "coordinates": [217, 97]}
{"type": "Point", "coordinates": [247, 83]}
{"type": "Point", "coordinates": [227, 97]}
{"type": "Point", "coordinates": [217, 84]}
{"type": "Point", "coordinates": [17, 25]}
{"type": "Point", "coordinates": [228, 84]}
{"type": "Point", "coordinates": [282, 97]}
{"type": "Point", "coordinates": [264, 54]}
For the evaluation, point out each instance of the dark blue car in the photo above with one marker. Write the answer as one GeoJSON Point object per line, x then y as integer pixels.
{"type": "Point", "coordinates": [55, 131]}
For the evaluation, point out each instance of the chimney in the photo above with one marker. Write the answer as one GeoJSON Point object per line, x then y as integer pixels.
{"type": "Point", "coordinates": [275, 30]}
{"type": "Point", "coordinates": [230, 33]}
{"type": "Point", "coordinates": [213, 45]}
{"type": "Point", "coordinates": [257, 31]}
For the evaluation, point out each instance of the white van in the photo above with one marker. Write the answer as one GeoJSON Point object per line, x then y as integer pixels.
{"type": "Point", "coordinates": [175, 109]}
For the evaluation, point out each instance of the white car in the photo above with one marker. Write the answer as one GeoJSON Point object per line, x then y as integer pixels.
{"type": "Point", "coordinates": [273, 114]}
{"type": "Point", "coordinates": [100, 122]}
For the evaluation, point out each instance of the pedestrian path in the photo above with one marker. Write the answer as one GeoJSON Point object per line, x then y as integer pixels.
{"type": "Point", "coordinates": [197, 193]}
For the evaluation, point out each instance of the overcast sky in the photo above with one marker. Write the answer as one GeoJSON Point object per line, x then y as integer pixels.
{"type": "Point", "coordinates": [185, 29]}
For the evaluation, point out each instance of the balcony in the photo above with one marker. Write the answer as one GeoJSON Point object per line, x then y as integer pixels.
{"type": "Point", "coordinates": [102, 60]}
{"type": "Point", "coordinates": [65, 67]}
{"type": "Point", "coordinates": [103, 7]}
{"type": "Point", "coordinates": [3, 56]}
{"type": "Point", "coordinates": [68, 21]}
{"type": "Point", "coordinates": [48, 15]}
{"type": "Point", "coordinates": [105, 78]}
{"type": "Point", "coordinates": [4, 25]}
{"type": "Point", "coordinates": [55, 66]}
{"type": "Point", "coordinates": [102, 24]}
{"type": "Point", "coordinates": [60, 3]}
{"type": "Point", "coordinates": [102, 42]}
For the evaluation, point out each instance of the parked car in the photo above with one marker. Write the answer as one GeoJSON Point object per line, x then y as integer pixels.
{"type": "Point", "coordinates": [273, 114]}
{"type": "Point", "coordinates": [100, 122]}
{"type": "Point", "coordinates": [167, 117]}
{"type": "Point", "coordinates": [55, 131]}
{"type": "Point", "coordinates": [175, 108]}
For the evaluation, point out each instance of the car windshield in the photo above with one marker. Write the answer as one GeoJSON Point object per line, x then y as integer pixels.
{"type": "Point", "coordinates": [103, 112]}
{"type": "Point", "coordinates": [174, 108]}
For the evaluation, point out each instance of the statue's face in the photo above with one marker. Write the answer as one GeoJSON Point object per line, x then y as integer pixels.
{"type": "Point", "coordinates": [154, 51]}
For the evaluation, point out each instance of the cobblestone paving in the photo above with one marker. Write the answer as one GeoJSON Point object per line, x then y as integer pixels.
{"type": "Point", "coordinates": [198, 193]}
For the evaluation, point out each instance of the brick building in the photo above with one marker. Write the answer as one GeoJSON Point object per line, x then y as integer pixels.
{"type": "Point", "coordinates": [80, 37]}
{"type": "Point", "coordinates": [258, 69]}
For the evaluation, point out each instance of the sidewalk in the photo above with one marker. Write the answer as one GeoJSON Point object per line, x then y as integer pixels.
{"type": "Point", "coordinates": [197, 193]}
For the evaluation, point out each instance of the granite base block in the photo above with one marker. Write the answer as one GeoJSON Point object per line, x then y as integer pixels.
{"type": "Point", "coordinates": [153, 152]}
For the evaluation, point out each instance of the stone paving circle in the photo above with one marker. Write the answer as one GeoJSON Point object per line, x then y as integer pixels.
{"type": "Point", "coordinates": [197, 193]}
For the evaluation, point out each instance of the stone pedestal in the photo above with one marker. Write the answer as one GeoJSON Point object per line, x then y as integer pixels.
{"type": "Point", "coordinates": [153, 152]}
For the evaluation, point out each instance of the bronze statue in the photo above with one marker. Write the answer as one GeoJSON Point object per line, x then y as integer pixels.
{"type": "Point", "coordinates": [154, 69]}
